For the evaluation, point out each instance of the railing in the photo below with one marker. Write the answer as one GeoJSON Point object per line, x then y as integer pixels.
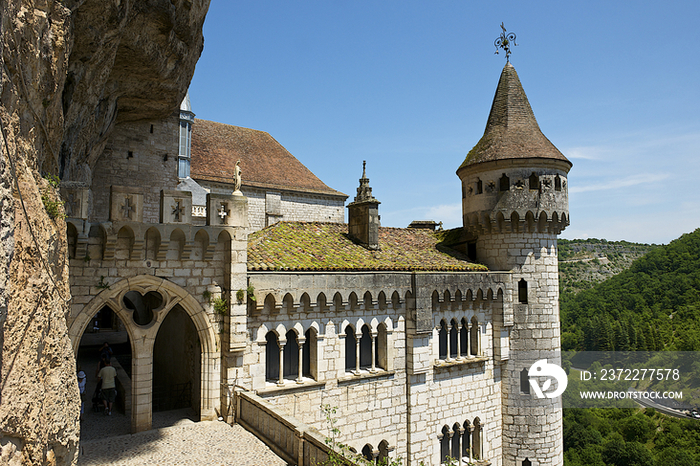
{"type": "Point", "coordinates": [199, 211]}
{"type": "Point", "coordinates": [290, 439]}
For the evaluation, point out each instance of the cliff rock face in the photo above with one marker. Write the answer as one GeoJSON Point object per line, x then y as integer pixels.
{"type": "Point", "coordinates": [70, 71]}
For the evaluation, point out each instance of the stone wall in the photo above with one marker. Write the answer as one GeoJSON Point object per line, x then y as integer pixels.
{"type": "Point", "coordinates": [183, 270]}
{"type": "Point", "coordinates": [142, 155]}
{"type": "Point", "coordinates": [266, 207]}
{"type": "Point", "coordinates": [532, 428]}
{"type": "Point", "coordinates": [406, 402]}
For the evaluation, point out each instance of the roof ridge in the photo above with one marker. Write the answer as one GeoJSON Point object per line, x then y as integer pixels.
{"type": "Point", "coordinates": [234, 126]}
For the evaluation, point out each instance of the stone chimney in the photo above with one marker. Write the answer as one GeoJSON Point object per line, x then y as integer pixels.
{"type": "Point", "coordinates": [363, 215]}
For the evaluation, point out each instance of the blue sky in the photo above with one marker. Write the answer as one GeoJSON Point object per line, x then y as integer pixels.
{"type": "Point", "coordinates": [408, 87]}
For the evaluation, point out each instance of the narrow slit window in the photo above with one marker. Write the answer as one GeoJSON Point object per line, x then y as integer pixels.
{"type": "Point", "coordinates": [522, 291]}
{"type": "Point", "coordinates": [504, 183]}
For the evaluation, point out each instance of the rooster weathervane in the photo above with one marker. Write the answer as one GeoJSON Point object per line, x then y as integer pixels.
{"type": "Point", "coordinates": [503, 41]}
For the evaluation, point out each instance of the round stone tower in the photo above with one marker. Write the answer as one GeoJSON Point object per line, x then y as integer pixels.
{"type": "Point", "coordinates": [514, 204]}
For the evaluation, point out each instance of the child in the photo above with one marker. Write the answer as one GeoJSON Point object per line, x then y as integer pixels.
{"type": "Point", "coordinates": [82, 385]}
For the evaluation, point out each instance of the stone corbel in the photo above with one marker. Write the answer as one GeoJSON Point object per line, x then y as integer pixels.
{"type": "Point", "coordinates": [209, 253]}
{"type": "Point", "coordinates": [137, 251]}
{"type": "Point", "coordinates": [109, 247]}
{"type": "Point", "coordinates": [163, 249]}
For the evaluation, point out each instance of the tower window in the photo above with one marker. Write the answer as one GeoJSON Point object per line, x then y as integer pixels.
{"type": "Point", "coordinates": [183, 168]}
{"type": "Point", "coordinates": [557, 183]}
{"type": "Point", "coordinates": [522, 291]}
{"type": "Point", "coordinates": [471, 250]}
{"type": "Point", "coordinates": [524, 382]}
{"type": "Point", "coordinates": [534, 182]}
{"type": "Point", "coordinates": [527, 462]}
{"type": "Point", "coordinates": [479, 187]}
{"type": "Point", "coordinates": [504, 183]}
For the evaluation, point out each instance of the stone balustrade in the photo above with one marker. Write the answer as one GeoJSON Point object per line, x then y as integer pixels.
{"type": "Point", "coordinates": [288, 437]}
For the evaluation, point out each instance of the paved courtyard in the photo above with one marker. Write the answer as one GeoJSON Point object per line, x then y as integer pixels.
{"type": "Point", "coordinates": [175, 438]}
{"type": "Point", "coordinates": [186, 443]}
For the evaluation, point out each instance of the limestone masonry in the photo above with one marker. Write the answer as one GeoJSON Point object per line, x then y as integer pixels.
{"type": "Point", "coordinates": [418, 337]}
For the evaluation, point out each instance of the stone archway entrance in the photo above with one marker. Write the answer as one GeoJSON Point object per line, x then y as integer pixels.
{"type": "Point", "coordinates": [104, 328]}
{"type": "Point", "coordinates": [177, 367]}
{"type": "Point", "coordinates": [143, 304]}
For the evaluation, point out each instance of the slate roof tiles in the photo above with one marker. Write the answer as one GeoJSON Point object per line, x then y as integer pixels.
{"type": "Point", "coordinates": [512, 131]}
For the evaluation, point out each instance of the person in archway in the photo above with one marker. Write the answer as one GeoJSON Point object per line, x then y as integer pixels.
{"type": "Point", "coordinates": [107, 376]}
{"type": "Point", "coordinates": [82, 385]}
{"type": "Point", "coordinates": [106, 351]}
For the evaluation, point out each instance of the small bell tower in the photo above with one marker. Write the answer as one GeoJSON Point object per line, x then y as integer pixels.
{"type": "Point", "coordinates": [363, 215]}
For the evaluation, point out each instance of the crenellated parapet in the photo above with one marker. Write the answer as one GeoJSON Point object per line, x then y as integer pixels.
{"type": "Point", "coordinates": [524, 197]}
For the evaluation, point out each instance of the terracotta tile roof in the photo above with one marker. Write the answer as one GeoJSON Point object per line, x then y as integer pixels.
{"type": "Point", "coordinates": [512, 131]}
{"type": "Point", "coordinates": [326, 246]}
{"type": "Point", "coordinates": [264, 162]}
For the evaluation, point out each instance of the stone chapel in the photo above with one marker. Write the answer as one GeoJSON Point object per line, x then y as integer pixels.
{"type": "Point", "coordinates": [261, 305]}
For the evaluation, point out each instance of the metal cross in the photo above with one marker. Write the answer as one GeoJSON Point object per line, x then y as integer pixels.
{"type": "Point", "coordinates": [178, 211]}
{"type": "Point", "coordinates": [223, 213]}
{"type": "Point", "coordinates": [127, 207]}
{"type": "Point", "coordinates": [504, 41]}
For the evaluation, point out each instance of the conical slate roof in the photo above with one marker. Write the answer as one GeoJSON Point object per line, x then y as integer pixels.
{"type": "Point", "coordinates": [512, 131]}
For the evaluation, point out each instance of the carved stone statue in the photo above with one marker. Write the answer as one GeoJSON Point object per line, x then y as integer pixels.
{"type": "Point", "coordinates": [237, 179]}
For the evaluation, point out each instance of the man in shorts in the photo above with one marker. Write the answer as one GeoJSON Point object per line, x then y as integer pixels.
{"type": "Point", "coordinates": [107, 375]}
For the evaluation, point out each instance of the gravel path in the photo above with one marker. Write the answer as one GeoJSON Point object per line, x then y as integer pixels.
{"type": "Point", "coordinates": [187, 443]}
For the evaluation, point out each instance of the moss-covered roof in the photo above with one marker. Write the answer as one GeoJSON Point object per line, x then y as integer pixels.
{"type": "Point", "coordinates": [327, 246]}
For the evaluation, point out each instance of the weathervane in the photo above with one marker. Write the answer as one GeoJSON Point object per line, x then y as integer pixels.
{"type": "Point", "coordinates": [504, 41]}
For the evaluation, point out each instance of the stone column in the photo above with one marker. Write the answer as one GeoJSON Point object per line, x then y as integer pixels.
{"type": "Point", "coordinates": [469, 339]}
{"type": "Point", "coordinates": [281, 375]}
{"type": "Point", "coordinates": [374, 352]}
{"type": "Point", "coordinates": [460, 436]}
{"type": "Point", "coordinates": [471, 443]}
{"type": "Point", "coordinates": [450, 434]}
{"type": "Point", "coordinates": [300, 343]}
{"type": "Point", "coordinates": [459, 342]}
{"type": "Point", "coordinates": [142, 385]}
{"type": "Point", "coordinates": [357, 355]}
{"type": "Point", "coordinates": [448, 330]}
{"type": "Point", "coordinates": [480, 341]}
{"type": "Point", "coordinates": [375, 455]}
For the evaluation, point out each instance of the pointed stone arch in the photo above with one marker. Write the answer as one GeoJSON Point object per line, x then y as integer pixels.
{"type": "Point", "coordinates": [143, 337]}
{"type": "Point", "coordinates": [395, 301]}
{"type": "Point", "coordinates": [338, 302]}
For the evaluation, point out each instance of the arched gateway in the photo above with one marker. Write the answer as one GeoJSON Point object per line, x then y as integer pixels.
{"type": "Point", "coordinates": [142, 303]}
